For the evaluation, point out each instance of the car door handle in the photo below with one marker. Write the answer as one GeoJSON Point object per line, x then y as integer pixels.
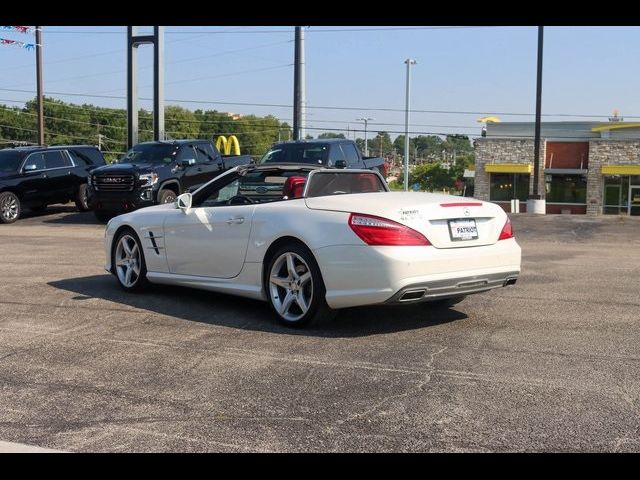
{"type": "Point", "coordinates": [236, 220]}
{"type": "Point", "coordinates": [44, 175]}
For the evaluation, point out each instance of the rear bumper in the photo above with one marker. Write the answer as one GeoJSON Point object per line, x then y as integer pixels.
{"type": "Point", "coordinates": [362, 275]}
{"type": "Point", "coordinates": [120, 201]}
{"type": "Point", "coordinates": [454, 287]}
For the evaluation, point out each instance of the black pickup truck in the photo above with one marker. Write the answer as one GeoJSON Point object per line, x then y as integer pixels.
{"type": "Point", "coordinates": [334, 152]}
{"type": "Point", "coordinates": [156, 172]}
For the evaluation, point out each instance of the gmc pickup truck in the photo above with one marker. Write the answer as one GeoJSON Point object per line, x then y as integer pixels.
{"type": "Point", "coordinates": [156, 172]}
{"type": "Point", "coordinates": [334, 152]}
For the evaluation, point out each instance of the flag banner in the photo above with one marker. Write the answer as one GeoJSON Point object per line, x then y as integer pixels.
{"type": "Point", "coordinates": [17, 28]}
{"type": "Point", "coordinates": [7, 41]}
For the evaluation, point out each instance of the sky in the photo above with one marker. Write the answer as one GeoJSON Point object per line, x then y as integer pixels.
{"type": "Point", "coordinates": [462, 73]}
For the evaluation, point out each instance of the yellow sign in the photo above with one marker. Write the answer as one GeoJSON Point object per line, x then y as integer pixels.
{"type": "Point", "coordinates": [508, 168]}
{"type": "Point", "coordinates": [224, 145]}
{"type": "Point", "coordinates": [621, 169]}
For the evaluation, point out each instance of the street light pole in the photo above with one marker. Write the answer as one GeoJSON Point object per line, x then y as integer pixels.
{"type": "Point", "coordinates": [409, 62]}
{"type": "Point", "coordinates": [365, 120]}
{"type": "Point", "coordinates": [39, 88]}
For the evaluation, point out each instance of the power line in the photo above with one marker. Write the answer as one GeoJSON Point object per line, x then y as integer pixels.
{"type": "Point", "coordinates": [289, 31]}
{"type": "Point", "coordinates": [114, 72]}
{"type": "Point", "coordinates": [327, 107]}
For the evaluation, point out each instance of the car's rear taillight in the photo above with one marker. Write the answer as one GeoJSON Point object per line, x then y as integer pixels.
{"type": "Point", "coordinates": [381, 231]}
{"type": "Point", "coordinates": [507, 230]}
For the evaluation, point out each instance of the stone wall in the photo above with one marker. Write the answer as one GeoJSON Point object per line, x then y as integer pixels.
{"type": "Point", "coordinates": [504, 150]}
{"type": "Point", "coordinates": [607, 152]}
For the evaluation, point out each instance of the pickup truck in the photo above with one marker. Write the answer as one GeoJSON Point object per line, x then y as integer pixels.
{"type": "Point", "coordinates": [334, 152]}
{"type": "Point", "coordinates": [152, 173]}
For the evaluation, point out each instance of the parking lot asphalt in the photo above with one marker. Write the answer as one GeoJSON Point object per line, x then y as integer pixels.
{"type": "Point", "coordinates": [550, 364]}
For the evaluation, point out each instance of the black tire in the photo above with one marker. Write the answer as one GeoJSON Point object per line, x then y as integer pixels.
{"type": "Point", "coordinates": [446, 302]}
{"type": "Point", "coordinates": [103, 216]}
{"type": "Point", "coordinates": [10, 207]}
{"type": "Point", "coordinates": [166, 196]}
{"type": "Point", "coordinates": [119, 254]}
{"type": "Point", "coordinates": [310, 292]}
{"type": "Point", "coordinates": [81, 200]}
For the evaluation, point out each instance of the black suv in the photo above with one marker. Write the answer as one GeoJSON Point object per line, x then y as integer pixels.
{"type": "Point", "coordinates": [152, 173]}
{"type": "Point", "coordinates": [34, 177]}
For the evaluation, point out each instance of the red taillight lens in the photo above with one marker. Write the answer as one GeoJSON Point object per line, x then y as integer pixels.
{"type": "Point", "coordinates": [507, 230]}
{"type": "Point", "coordinates": [381, 231]}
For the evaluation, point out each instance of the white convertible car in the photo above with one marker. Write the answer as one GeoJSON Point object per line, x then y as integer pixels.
{"type": "Point", "coordinates": [311, 240]}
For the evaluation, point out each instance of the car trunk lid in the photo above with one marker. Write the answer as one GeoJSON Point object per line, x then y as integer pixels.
{"type": "Point", "coordinates": [447, 221]}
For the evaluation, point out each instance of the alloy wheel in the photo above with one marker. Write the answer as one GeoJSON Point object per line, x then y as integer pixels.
{"type": "Point", "coordinates": [291, 286]}
{"type": "Point", "coordinates": [128, 261]}
{"type": "Point", "coordinates": [9, 208]}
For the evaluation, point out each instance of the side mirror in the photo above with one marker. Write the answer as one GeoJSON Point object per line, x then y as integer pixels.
{"type": "Point", "coordinates": [186, 162]}
{"type": "Point", "coordinates": [30, 168]}
{"type": "Point", "coordinates": [183, 202]}
{"type": "Point", "coordinates": [341, 164]}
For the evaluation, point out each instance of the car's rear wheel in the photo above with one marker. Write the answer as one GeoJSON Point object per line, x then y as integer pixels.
{"type": "Point", "coordinates": [295, 288]}
{"type": "Point", "coordinates": [128, 261]}
{"type": "Point", "coordinates": [81, 199]}
{"type": "Point", "coordinates": [10, 207]}
{"type": "Point", "coordinates": [166, 196]}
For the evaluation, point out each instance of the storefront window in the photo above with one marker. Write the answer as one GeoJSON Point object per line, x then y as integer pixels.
{"type": "Point", "coordinates": [566, 188]}
{"type": "Point", "coordinates": [618, 189]}
{"type": "Point", "coordinates": [508, 186]}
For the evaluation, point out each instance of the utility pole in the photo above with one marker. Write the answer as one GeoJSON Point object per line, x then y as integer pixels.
{"type": "Point", "coordinates": [298, 57]}
{"type": "Point", "coordinates": [134, 40]}
{"type": "Point", "coordinates": [366, 146]}
{"type": "Point", "coordinates": [409, 62]}
{"type": "Point", "coordinates": [536, 202]}
{"type": "Point", "coordinates": [39, 85]}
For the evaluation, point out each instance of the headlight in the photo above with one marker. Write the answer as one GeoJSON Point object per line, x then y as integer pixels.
{"type": "Point", "coordinates": [148, 179]}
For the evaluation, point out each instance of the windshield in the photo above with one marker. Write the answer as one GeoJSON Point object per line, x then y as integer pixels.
{"type": "Point", "coordinates": [10, 161]}
{"type": "Point", "coordinates": [312, 153]}
{"type": "Point", "coordinates": [156, 154]}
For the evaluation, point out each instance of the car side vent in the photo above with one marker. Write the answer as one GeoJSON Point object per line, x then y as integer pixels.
{"type": "Point", "coordinates": [154, 245]}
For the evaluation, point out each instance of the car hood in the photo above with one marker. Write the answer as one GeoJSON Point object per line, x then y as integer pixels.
{"type": "Point", "coordinates": [124, 168]}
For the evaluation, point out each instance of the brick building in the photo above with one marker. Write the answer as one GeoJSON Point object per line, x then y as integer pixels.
{"type": "Point", "coordinates": [589, 167]}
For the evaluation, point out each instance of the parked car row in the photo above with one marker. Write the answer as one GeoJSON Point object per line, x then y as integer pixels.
{"type": "Point", "coordinates": [151, 173]}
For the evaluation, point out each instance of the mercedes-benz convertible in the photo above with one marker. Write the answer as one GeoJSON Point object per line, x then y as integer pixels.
{"type": "Point", "coordinates": [312, 240]}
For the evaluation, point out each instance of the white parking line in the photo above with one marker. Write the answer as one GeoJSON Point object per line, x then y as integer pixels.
{"type": "Point", "coordinates": [9, 447]}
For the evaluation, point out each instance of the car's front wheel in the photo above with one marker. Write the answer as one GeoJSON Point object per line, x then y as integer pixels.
{"type": "Point", "coordinates": [81, 199]}
{"type": "Point", "coordinates": [295, 288]}
{"type": "Point", "coordinates": [9, 207]}
{"type": "Point", "coordinates": [166, 196]}
{"type": "Point", "coordinates": [128, 261]}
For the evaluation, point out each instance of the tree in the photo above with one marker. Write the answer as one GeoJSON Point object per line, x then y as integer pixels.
{"type": "Point", "coordinates": [67, 123]}
{"type": "Point", "coordinates": [430, 177]}
{"type": "Point", "coordinates": [331, 135]}
{"type": "Point", "coordinates": [382, 139]}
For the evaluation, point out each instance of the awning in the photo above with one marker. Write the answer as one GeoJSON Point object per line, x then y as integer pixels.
{"type": "Point", "coordinates": [621, 169]}
{"type": "Point", "coordinates": [615, 126]}
{"type": "Point", "coordinates": [508, 168]}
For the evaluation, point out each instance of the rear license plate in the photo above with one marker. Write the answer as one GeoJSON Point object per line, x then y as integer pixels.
{"type": "Point", "coordinates": [463, 229]}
